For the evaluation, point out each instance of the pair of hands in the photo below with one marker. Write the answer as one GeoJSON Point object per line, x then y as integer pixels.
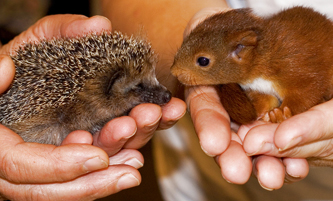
{"type": "Point", "coordinates": [84, 167]}
{"type": "Point", "coordinates": [78, 170]}
{"type": "Point", "coordinates": [275, 153]}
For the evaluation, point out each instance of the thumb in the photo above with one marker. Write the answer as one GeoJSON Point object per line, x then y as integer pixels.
{"type": "Point", "coordinates": [7, 72]}
{"type": "Point", "coordinates": [209, 118]}
{"type": "Point", "coordinates": [308, 127]}
{"type": "Point", "coordinates": [22, 162]}
{"type": "Point", "coordinates": [201, 15]}
{"type": "Point", "coordinates": [58, 26]}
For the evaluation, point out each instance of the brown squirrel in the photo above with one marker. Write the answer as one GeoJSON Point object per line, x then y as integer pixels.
{"type": "Point", "coordinates": [264, 67]}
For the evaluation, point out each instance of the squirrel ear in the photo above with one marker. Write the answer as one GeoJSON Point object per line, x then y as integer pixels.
{"type": "Point", "coordinates": [248, 38]}
{"type": "Point", "coordinates": [245, 42]}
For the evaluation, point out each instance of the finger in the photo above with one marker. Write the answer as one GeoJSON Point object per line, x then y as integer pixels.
{"type": "Point", "coordinates": [88, 187]}
{"type": "Point", "coordinates": [78, 137]}
{"type": "Point", "coordinates": [115, 134]}
{"type": "Point", "coordinates": [270, 172]}
{"type": "Point", "coordinates": [46, 163]}
{"type": "Point", "coordinates": [310, 126]}
{"type": "Point", "coordinates": [261, 140]}
{"type": "Point", "coordinates": [171, 113]}
{"type": "Point", "coordinates": [129, 157]}
{"type": "Point", "coordinates": [95, 24]}
{"type": "Point", "coordinates": [147, 117]}
{"type": "Point", "coordinates": [244, 129]}
{"type": "Point", "coordinates": [236, 166]}
{"type": "Point", "coordinates": [58, 26]}
{"type": "Point", "coordinates": [7, 72]}
{"type": "Point", "coordinates": [210, 120]}
{"type": "Point", "coordinates": [296, 169]}
{"type": "Point", "coordinates": [201, 16]}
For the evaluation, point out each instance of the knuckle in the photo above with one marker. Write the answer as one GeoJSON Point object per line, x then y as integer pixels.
{"type": "Point", "coordinates": [327, 152]}
{"type": "Point", "coordinates": [9, 169]}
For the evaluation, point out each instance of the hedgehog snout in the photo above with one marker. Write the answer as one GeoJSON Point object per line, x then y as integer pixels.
{"type": "Point", "coordinates": [159, 95]}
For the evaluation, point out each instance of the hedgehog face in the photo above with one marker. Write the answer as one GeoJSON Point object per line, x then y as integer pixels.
{"type": "Point", "coordinates": [114, 93]}
{"type": "Point", "coordinates": [136, 88]}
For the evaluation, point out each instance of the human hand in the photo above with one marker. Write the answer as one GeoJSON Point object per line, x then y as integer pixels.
{"type": "Point", "coordinates": [213, 125]}
{"type": "Point", "coordinates": [307, 135]}
{"type": "Point", "coordinates": [72, 171]}
{"type": "Point", "coordinates": [135, 130]}
{"type": "Point", "coordinates": [128, 132]}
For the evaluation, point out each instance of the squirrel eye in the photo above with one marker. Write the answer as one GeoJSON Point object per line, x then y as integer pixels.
{"type": "Point", "coordinates": [203, 61]}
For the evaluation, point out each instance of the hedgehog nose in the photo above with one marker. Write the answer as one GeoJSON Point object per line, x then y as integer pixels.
{"type": "Point", "coordinates": [162, 97]}
{"type": "Point", "coordinates": [159, 96]}
{"type": "Point", "coordinates": [167, 97]}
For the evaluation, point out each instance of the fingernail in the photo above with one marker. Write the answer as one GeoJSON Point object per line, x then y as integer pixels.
{"type": "Point", "coordinates": [290, 178]}
{"type": "Point", "coordinates": [170, 123]}
{"type": "Point", "coordinates": [127, 181]}
{"type": "Point", "coordinates": [264, 148]}
{"type": "Point", "coordinates": [226, 179]}
{"type": "Point", "coordinates": [99, 16]}
{"type": "Point", "coordinates": [128, 137]}
{"type": "Point", "coordinates": [95, 164]}
{"type": "Point", "coordinates": [134, 163]}
{"type": "Point", "coordinates": [293, 142]}
{"type": "Point", "coordinates": [153, 125]}
{"type": "Point", "coordinates": [207, 152]}
{"type": "Point", "coordinates": [268, 189]}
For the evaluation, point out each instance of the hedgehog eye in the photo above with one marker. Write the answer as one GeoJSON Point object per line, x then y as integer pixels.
{"type": "Point", "coordinates": [140, 86]}
{"type": "Point", "coordinates": [203, 61]}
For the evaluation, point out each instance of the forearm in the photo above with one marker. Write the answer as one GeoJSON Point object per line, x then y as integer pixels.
{"type": "Point", "coordinates": [161, 21]}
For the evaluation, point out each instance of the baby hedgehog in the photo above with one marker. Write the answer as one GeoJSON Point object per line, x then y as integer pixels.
{"type": "Point", "coordinates": [68, 84]}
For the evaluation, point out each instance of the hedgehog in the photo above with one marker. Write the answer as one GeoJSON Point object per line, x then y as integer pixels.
{"type": "Point", "coordinates": [80, 83]}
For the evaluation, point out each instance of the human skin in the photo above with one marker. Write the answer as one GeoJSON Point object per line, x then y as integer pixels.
{"type": "Point", "coordinates": [308, 134]}
{"type": "Point", "coordinates": [76, 170]}
{"type": "Point", "coordinates": [164, 23]}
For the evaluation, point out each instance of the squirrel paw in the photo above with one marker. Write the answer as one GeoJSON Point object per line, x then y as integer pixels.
{"type": "Point", "coordinates": [277, 115]}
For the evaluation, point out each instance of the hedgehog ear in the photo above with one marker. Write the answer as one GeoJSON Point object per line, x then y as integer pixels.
{"type": "Point", "coordinates": [114, 76]}
{"type": "Point", "coordinates": [245, 42]}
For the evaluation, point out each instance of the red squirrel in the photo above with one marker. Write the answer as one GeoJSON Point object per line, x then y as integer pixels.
{"type": "Point", "coordinates": [264, 67]}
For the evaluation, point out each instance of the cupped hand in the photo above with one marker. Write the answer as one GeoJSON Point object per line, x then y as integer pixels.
{"type": "Point", "coordinates": [272, 171]}
{"type": "Point", "coordinates": [135, 130]}
{"type": "Point", "coordinates": [31, 171]}
{"type": "Point", "coordinates": [76, 160]}
{"type": "Point", "coordinates": [76, 170]}
{"type": "Point", "coordinates": [307, 135]}
{"type": "Point", "coordinates": [212, 125]}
